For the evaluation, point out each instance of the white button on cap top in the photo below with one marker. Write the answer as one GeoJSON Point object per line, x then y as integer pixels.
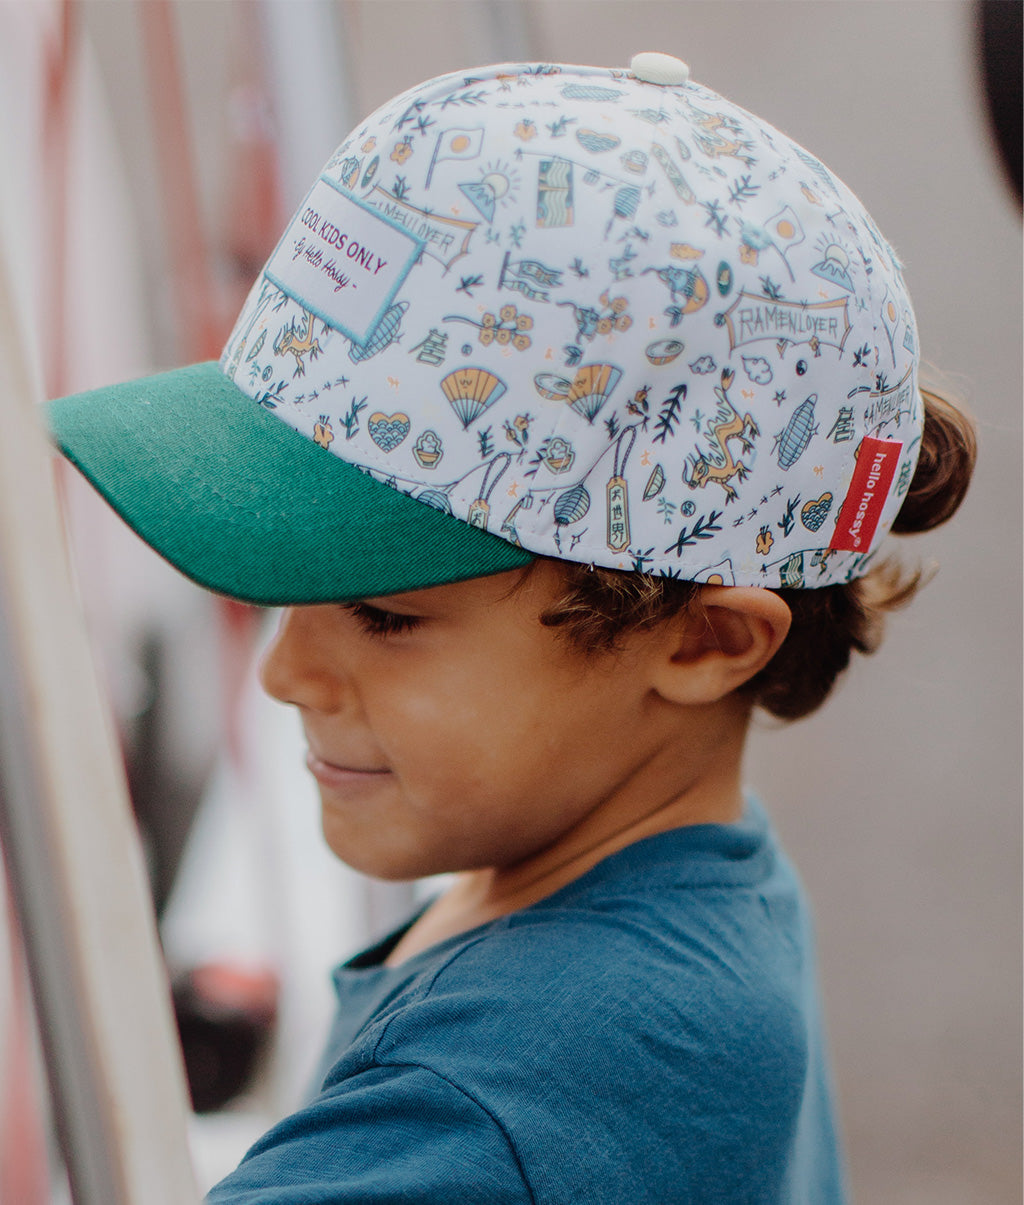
{"type": "Point", "coordinates": [655, 68]}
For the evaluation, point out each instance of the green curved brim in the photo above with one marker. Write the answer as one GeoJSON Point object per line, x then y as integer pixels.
{"type": "Point", "coordinates": [246, 506]}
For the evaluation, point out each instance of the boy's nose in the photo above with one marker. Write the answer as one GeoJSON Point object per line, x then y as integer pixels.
{"type": "Point", "coordinates": [294, 669]}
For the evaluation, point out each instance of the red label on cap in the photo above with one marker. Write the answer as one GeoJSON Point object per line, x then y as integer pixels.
{"type": "Point", "coordinates": [872, 479]}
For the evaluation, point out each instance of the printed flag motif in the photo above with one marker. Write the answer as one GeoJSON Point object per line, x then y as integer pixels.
{"type": "Point", "coordinates": [785, 229]}
{"type": "Point", "coordinates": [455, 144]}
{"type": "Point", "coordinates": [890, 319]}
{"type": "Point", "coordinates": [529, 277]}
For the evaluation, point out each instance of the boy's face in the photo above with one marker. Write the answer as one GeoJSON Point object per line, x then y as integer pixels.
{"type": "Point", "coordinates": [449, 730]}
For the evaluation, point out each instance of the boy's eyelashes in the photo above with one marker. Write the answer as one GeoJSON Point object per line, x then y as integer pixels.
{"type": "Point", "coordinates": [377, 622]}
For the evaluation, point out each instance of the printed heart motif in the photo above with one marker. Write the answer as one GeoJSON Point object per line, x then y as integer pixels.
{"type": "Point", "coordinates": [813, 514]}
{"type": "Point", "coordinates": [388, 430]}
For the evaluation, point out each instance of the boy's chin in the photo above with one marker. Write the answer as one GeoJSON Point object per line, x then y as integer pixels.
{"type": "Point", "coordinates": [379, 858]}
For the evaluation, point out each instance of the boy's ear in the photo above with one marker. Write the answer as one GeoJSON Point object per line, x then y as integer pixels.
{"type": "Point", "coordinates": [721, 641]}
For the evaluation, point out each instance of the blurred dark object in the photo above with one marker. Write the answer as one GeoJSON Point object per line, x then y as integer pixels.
{"type": "Point", "coordinates": [999, 43]}
{"type": "Point", "coordinates": [165, 796]}
{"type": "Point", "coordinates": [225, 1017]}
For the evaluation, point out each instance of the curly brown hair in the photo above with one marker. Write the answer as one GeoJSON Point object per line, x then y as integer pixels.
{"type": "Point", "coordinates": [599, 606]}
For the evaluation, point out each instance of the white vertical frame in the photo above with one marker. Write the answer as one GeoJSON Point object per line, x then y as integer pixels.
{"type": "Point", "coordinates": [116, 1080]}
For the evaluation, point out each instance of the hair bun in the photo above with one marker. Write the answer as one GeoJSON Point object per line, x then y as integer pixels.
{"type": "Point", "coordinates": [949, 448]}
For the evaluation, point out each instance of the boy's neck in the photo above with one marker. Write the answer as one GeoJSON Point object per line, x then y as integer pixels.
{"type": "Point", "coordinates": [641, 809]}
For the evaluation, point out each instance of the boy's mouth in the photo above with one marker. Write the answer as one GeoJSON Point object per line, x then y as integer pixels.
{"type": "Point", "coordinates": [332, 774]}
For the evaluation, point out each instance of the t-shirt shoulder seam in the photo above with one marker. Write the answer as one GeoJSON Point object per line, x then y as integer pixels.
{"type": "Point", "coordinates": [496, 1121]}
{"type": "Point", "coordinates": [426, 985]}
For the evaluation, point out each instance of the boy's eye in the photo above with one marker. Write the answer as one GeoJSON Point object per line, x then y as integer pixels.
{"type": "Point", "coordinates": [376, 622]}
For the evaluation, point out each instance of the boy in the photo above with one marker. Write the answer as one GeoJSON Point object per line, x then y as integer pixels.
{"type": "Point", "coordinates": [598, 395]}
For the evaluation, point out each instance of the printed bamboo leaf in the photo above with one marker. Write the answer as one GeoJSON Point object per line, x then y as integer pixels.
{"type": "Point", "coordinates": [703, 529]}
{"type": "Point", "coordinates": [537, 459]}
{"type": "Point", "coordinates": [641, 558]}
{"type": "Point", "coordinates": [269, 398]}
{"type": "Point", "coordinates": [464, 98]}
{"type": "Point", "coordinates": [350, 421]}
{"type": "Point", "coordinates": [743, 190]}
{"type": "Point", "coordinates": [668, 416]}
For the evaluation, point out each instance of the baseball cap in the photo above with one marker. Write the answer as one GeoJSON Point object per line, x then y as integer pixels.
{"type": "Point", "coordinates": [536, 309]}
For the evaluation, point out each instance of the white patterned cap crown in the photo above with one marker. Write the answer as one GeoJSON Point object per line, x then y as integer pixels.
{"type": "Point", "coordinates": [609, 320]}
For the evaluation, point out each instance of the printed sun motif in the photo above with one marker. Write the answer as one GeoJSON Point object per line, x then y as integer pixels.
{"type": "Point", "coordinates": [508, 326]}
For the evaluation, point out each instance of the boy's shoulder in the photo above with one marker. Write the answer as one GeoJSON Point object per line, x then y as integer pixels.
{"type": "Point", "coordinates": [660, 995]}
{"type": "Point", "coordinates": [707, 913]}
{"type": "Point", "coordinates": [636, 981]}
{"type": "Point", "coordinates": [648, 1034]}
{"type": "Point", "coordinates": [709, 919]}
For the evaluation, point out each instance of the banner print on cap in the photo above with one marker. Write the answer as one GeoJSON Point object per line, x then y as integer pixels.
{"type": "Point", "coordinates": [606, 320]}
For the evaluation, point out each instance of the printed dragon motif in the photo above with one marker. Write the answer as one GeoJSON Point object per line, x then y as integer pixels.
{"type": "Point", "coordinates": [718, 465]}
{"type": "Point", "coordinates": [298, 344]}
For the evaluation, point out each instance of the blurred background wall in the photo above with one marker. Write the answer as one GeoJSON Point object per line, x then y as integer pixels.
{"type": "Point", "coordinates": [901, 800]}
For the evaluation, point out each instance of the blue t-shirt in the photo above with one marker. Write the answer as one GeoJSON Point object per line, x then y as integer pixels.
{"type": "Point", "coordinates": [649, 1034]}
